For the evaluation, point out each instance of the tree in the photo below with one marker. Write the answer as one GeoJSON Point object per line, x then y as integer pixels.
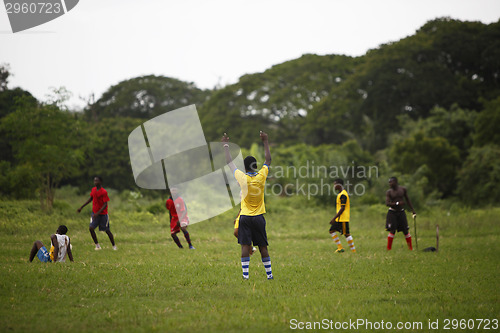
{"type": "Point", "coordinates": [278, 100]}
{"type": "Point", "coordinates": [479, 178]}
{"type": "Point", "coordinates": [441, 158]}
{"type": "Point", "coordinates": [446, 62]}
{"type": "Point", "coordinates": [488, 124]}
{"type": "Point", "coordinates": [44, 140]}
{"type": "Point", "coordinates": [145, 97]}
{"type": "Point", "coordinates": [106, 154]}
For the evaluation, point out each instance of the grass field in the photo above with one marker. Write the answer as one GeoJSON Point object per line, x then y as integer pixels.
{"type": "Point", "coordinates": [150, 285]}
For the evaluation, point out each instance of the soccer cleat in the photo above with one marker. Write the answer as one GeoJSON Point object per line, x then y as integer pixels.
{"type": "Point", "coordinates": [339, 250]}
{"type": "Point", "coordinates": [270, 277]}
{"type": "Point", "coordinates": [191, 247]}
{"type": "Point", "coordinates": [115, 248]}
{"type": "Point", "coordinates": [245, 278]}
{"type": "Point", "coordinates": [98, 247]}
{"type": "Point", "coordinates": [353, 251]}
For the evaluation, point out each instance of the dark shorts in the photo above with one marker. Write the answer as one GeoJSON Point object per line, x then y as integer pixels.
{"type": "Point", "coordinates": [396, 221]}
{"type": "Point", "coordinates": [342, 227]}
{"type": "Point", "coordinates": [102, 221]}
{"type": "Point", "coordinates": [252, 229]}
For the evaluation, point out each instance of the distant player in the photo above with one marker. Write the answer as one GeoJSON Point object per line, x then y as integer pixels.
{"type": "Point", "coordinates": [178, 217]}
{"type": "Point", "coordinates": [340, 222]}
{"type": "Point", "coordinates": [252, 224]}
{"type": "Point", "coordinates": [396, 216]}
{"type": "Point", "coordinates": [99, 217]}
{"type": "Point", "coordinates": [60, 246]}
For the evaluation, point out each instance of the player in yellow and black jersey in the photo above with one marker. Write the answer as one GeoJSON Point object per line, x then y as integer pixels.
{"type": "Point", "coordinates": [340, 222]}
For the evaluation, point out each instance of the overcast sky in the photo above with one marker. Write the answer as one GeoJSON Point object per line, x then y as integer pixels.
{"type": "Point", "coordinates": [102, 42]}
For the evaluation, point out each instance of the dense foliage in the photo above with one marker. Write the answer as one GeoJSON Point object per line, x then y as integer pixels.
{"type": "Point", "coordinates": [425, 108]}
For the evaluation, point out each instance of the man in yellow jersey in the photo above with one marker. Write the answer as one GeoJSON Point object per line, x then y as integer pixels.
{"type": "Point", "coordinates": [340, 221]}
{"type": "Point", "coordinates": [252, 224]}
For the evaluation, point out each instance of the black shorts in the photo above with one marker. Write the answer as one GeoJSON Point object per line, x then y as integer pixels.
{"type": "Point", "coordinates": [396, 221]}
{"type": "Point", "coordinates": [252, 229]}
{"type": "Point", "coordinates": [342, 227]}
{"type": "Point", "coordinates": [102, 221]}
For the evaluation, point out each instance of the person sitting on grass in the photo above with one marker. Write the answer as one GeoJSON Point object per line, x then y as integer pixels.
{"type": "Point", "coordinates": [60, 247]}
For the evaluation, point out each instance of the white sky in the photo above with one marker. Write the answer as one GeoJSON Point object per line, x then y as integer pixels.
{"type": "Point", "coordinates": [102, 42]}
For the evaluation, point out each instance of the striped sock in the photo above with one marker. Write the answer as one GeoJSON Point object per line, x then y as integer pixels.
{"type": "Point", "coordinates": [336, 239]}
{"type": "Point", "coordinates": [390, 238]}
{"type": "Point", "coordinates": [408, 241]}
{"type": "Point", "coordinates": [350, 241]}
{"type": "Point", "coordinates": [245, 262]}
{"type": "Point", "coordinates": [267, 266]}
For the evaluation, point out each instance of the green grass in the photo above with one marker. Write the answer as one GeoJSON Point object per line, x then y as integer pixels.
{"type": "Point", "coordinates": [150, 285]}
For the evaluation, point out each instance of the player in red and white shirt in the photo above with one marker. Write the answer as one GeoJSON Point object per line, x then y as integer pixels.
{"type": "Point", "coordinates": [99, 198]}
{"type": "Point", "coordinates": [178, 217]}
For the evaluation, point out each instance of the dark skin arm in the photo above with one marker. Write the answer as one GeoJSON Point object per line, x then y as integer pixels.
{"type": "Point", "coordinates": [229, 159]}
{"type": "Point", "coordinates": [267, 152]}
{"type": "Point", "coordinates": [53, 239]}
{"type": "Point", "coordinates": [102, 208]}
{"type": "Point", "coordinates": [409, 202]}
{"type": "Point", "coordinates": [85, 204]}
{"type": "Point", "coordinates": [342, 208]}
{"type": "Point", "coordinates": [68, 251]}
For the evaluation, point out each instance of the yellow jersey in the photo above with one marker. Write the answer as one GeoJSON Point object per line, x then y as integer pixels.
{"type": "Point", "coordinates": [252, 187]}
{"type": "Point", "coordinates": [343, 199]}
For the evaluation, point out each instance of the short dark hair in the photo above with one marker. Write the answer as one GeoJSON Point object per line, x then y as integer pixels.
{"type": "Point", "coordinates": [338, 181]}
{"type": "Point", "coordinates": [98, 177]}
{"type": "Point", "coordinates": [250, 163]}
{"type": "Point", "coordinates": [62, 229]}
{"type": "Point", "coordinates": [394, 178]}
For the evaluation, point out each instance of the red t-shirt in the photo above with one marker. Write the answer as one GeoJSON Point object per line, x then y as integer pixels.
{"type": "Point", "coordinates": [171, 208]}
{"type": "Point", "coordinates": [99, 197]}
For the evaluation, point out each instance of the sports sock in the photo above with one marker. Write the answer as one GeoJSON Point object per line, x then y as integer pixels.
{"type": "Point", "coordinates": [177, 241]}
{"type": "Point", "coordinates": [186, 235]}
{"type": "Point", "coordinates": [245, 262]}
{"type": "Point", "coordinates": [336, 239]}
{"type": "Point", "coordinates": [350, 241]}
{"type": "Point", "coordinates": [390, 238]}
{"type": "Point", "coordinates": [267, 266]}
{"type": "Point", "coordinates": [408, 241]}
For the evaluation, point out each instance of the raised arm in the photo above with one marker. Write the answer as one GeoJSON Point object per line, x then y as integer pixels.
{"type": "Point", "coordinates": [229, 160]}
{"type": "Point", "coordinates": [267, 152]}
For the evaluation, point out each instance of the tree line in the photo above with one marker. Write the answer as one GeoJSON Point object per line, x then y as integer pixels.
{"type": "Point", "coordinates": [426, 108]}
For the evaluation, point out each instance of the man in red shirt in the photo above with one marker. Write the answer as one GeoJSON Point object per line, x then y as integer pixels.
{"type": "Point", "coordinates": [178, 217]}
{"type": "Point", "coordinates": [99, 198]}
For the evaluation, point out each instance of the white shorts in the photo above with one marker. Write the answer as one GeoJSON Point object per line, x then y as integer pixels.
{"type": "Point", "coordinates": [184, 224]}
